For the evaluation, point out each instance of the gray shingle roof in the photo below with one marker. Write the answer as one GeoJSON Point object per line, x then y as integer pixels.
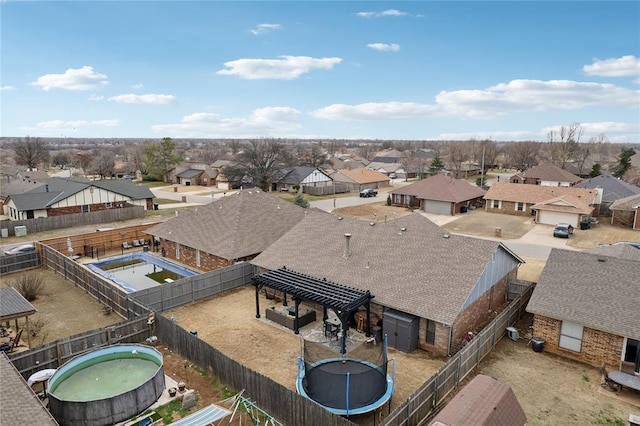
{"type": "Point", "coordinates": [189, 173]}
{"type": "Point", "coordinates": [295, 175]}
{"type": "Point", "coordinates": [18, 403]}
{"type": "Point", "coordinates": [233, 227]}
{"type": "Point", "coordinates": [621, 251]}
{"type": "Point", "coordinates": [580, 287]}
{"type": "Point", "coordinates": [415, 271]}
{"type": "Point", "coordinates": [612, 187]}
{"type": "Point", "coordinates": [442, 188]}
{"type": "Point", "coordinates": [13, 305]}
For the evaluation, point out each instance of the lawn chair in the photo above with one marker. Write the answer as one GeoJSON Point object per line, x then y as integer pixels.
{"type": "Point", "coordinates": [126, 245]}
{"type": "Point", "coordinates": [607, 382]}
{"type": "Point", "coordinates": [136, 243]}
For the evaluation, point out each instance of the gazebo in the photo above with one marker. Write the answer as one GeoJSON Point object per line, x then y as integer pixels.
{"type": "Point", "coordinates": [343, 300]}
{"type": "Point", "coordinates": [13, 306]}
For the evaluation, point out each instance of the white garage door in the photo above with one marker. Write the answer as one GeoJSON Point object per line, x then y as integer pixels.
{"type": "Point", "coordinates": [437, 207]}
{"type": "Point", "coordinates": [553, 218]}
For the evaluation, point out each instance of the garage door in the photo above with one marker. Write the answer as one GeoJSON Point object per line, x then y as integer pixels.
{"type": "Point", "coordinates": [552, 218]}
{"type": "Point", "coordinates": [437, 207]}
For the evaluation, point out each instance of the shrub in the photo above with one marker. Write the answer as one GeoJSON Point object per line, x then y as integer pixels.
{"type": "Point", "coordinates": [29, 285]}
{"type": "Point", "coordinates": [388, 199]}
{"type": "Point", "coordinates": [301, 201]}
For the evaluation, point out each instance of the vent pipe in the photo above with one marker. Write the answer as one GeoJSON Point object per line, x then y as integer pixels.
{"type": "Point", "coordinates": [46, 187]}
{"type": "Point", "coordinates": [347, 250]}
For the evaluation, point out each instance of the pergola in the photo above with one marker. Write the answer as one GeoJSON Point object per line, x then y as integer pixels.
{"type": "Point", "coordinates": [14, 306]}
{"type": "Point", "coordinates": [341, 299]}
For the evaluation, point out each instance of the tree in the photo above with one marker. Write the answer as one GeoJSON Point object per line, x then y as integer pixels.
{"type": "Point", "coordinates": [301, 201]}
{"type": "Point", "coordinates": [313, 156]}
{"type": "Point", "coordinates": [457, 155]}
{"type": "Point", "coordinates": [436, 166]}
{"type": "Point", "coordinates": [61, 159]}
{"type": "Point", "coordinates": [260, 162]}
{"type": "Point", "coordinates": [523, 155]}
{"type": "Point", "coordinates": [564, 143]}
{"type": "Point", "coordinates": [84, 159]}
{"type": "Point", "coordinates": [30, 152]}
{"type": "Point", "coordinates": [160, 158]}
{"type": "Point", "coordinates": [624, 162]}
{"type": "Point", "coordinates": [596, 170]}
{"type": "Point", "coordinates": [105, 165]}
{"type": "Point", "coordinates": [389, 200]}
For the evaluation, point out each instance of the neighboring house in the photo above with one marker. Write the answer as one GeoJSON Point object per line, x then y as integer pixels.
{"type": "Point", "coordinates": [546, 174]}
{"type": "Point", "coordinates": [222, 181]}
{"type": "Point", "coordinates": [389, 156]}
{"type": "Point", "coordinates": [190, 173]}
{"type": "Point", "coordinates": [361, 178]}
{"type": "Point", "coordinates": [484, 401]}
{"type": "Point", "coordinates": [58, 196]}
{"type": "Point", "coordinates": [302, 177]}
{"type": "Point", "coordinates": [549, 205]}
{"type": "Point", "coordinates": [613, 189]}
{"type": "Point", "coordinates": [439, 194]}
{"type": "Point", "coordinates": [467, 168]}
{"type": "Point", "coordinates": [386, 168]}
{"type": "Point", "coordinates": [233, 228]}
{"type": "Point", "coordinates": [585, 307]}
{"type": "Point", "coordinates": [626, 212]}
{"type": "Point", "coordinates": [443, 285]}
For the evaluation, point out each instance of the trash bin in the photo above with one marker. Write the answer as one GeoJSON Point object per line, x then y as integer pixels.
{"type": "Point", "coordinates": [537, 344]}
{"type": "Point", "coordinates": [377, 333]}
{"type": "Point", "coordinates": [145, 248]}
{"type": "Point", "coordinates": [463, 209]}
{"type": "Point", "coordinates": [155, 206]}
{"type": "Point", "coordinates": [585, 224]}
{"type": "Point", "coordinates": [513, 334]}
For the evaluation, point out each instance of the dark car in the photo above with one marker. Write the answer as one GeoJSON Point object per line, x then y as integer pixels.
{"type": "Point", "coordinates": [368, 193]}
{"type": "Point", "coordinates": [25, 248]}
{"type": "Point", "coordinates": [563, 230]}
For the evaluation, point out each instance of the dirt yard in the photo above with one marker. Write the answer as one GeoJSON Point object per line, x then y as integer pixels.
{"type": "Point", "coordinates": [373, 212]}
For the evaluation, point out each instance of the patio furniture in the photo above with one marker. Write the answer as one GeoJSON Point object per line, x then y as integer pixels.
{"type": "Point", "coordinates": [331, 327]}
{"type": "Point", "coordinates": [136, 243]}
{"type": "Point", "coordinates": [624, 380]}
{"type": "Point", "coordinates": [607, 382]}
{"type": "Point", "coordinates": [126, 245]}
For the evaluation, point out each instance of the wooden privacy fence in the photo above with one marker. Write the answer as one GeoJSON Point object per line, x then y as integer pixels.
{"type": "Point", "coordinates": [283, 404]}
{"type": "Point", "coordinates": [42, 224]}
{"type": "Point", "coordinates": [338, 188]}
{"type": "Point", "coordinates": [198, 287]}
{"type": "Point", "coordinates": [422, 403]}
{"type": "Point", "coordinates": [54, 354]}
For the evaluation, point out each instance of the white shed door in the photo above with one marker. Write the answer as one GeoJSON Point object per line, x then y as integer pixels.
{"type": "Point", "coordinates": [553, 218]}
{"type": "Point", "coordinates": [437, 207]}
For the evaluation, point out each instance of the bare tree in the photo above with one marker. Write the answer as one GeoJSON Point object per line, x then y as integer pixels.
{"type": "Point", "coordinates": [260, 162]}
{"type": "Point", "coordinates": [313, 156]}
{"type": "Point", "coordinates": [30, 152]}
{"type": "Point", "coordinates": [457, 154]}
{"type": "Point", "coordinates": [84, 160]}
{"type": "Point", "coordinates": [523, 155]}
{"type": "Point", "coordinates": [367, 151]}
{"type": "Point", "coordinates": [485, 152]}
{"type": "Point", "coordinates": [564, 143]}
{"type": "Point", "coordinates": [105, 165]}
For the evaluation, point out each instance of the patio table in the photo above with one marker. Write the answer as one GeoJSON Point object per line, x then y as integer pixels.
{"type": "Point", "coordinates": [626, 380]}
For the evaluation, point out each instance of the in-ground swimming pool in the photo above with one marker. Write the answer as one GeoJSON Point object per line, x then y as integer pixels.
{"type": "Point", "coordinates": [132, 271]}
{"type": "Point", "coordinates": [106, 386]}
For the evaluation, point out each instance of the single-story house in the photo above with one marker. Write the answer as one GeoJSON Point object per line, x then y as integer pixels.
{"type": "Point", "coordinates": [626, 212]}
{"type": "Point", "coordinates": [389, 156]}
{"type": "Point", "coordinates": [361, 178]}
{"type": "Point", "coordinates": [430, 288]}
{"type": "Point", "coordinates": [548, 204]}
{"type": "Point", "coordinates": [233, 228]}
{"type": "Point", "coordinates": [466, 169]}
{"type": "Point", "coordinates": [301, 176]}
{"type": "Point", "coordinates": [613, 189]}
{"type": "Point", "coordinates": [585, 307]}
{"type": "Point", "coordinates": [222, 181]}
{"type": "Point", "coordinates": [59, 196]}
{"type": "Point", "coordinates": [546, 174]}
{"type": "Point", "coordinates": [484, 401]}
{"type": "Point", "coordinates": [190, 173]}
{"type": "Point", "coordinates": [439, 194]}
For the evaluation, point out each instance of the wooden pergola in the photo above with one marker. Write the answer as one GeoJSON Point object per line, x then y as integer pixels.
{"type": "Point", "coordinates": [14, 306]}
{"type": "Point", "coordinates": [343, 300]}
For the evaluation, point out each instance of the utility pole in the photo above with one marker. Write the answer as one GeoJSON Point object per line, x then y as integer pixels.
{"type": "Point", "coordinates": [482, 170]}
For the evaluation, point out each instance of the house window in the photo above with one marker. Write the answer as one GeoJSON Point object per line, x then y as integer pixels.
{"type": "Point", "coordinates": [177, 251]}
{"type": "Point", "coordinates": [520, 207]}
{"type": "Point", "coordinates": [85, 208]}
{"type": "Point", "coordinates": [632, 353]}
{"type": "Point", "coordinates": [495, 204]}
{"type": "Point", "coordinates": [197, 257]}
{"type": "Point", "coordinates": [431, 332]}
{"type": "Point", "coordinates": [571, 336]}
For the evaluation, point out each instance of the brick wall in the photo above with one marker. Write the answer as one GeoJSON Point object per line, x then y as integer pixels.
{"type": "Point", "coordinates": [623, 218]}
{"type": "Point", "coordinates": [78, 209]}
{"type": "Point", "coordinates": [598, 347]}
{"type": "Point", "coordinates": [208, 262]}
{"type": "Point", "coordinates": [508, 207]}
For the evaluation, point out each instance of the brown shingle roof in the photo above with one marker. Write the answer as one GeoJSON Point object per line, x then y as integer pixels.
{"type": "Point", "coordinates": [416, 271]}
{"type": "Point", "coordinates": [550, 172]}
{"type": "Point", "coordinates": [599, 292]}
{"type": "Point", "coordinates": [362, 175]}
{"type": "Point", "coordinates": [236, 226]}
{"type": "Point", "coordinates": [565, 203]}
{"type": "Point", "coordinates": [442, 188]}
{"type": "Point", "coordinates": [627, 203]}
{"type": "Point", "coordinates": [532, 194]}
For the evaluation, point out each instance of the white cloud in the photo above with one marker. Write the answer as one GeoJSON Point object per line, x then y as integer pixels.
{"type": "Point", "coordinates": [265, 28]}
{"type": "Point", "coordinates": [625, 66]}
{"type": "Point", "coordinates": [96, 98]}
{"type": "Point", "coordinates": [285, 68]}
{"type": "Point", "coordinates": [149, 99]}
{"type": "Point", "coordinates": [384, 47]}
{"type": "Point", "coordinates": [498, 135]}
{"type": "Point", "coordinates": [60, 124]}
{"type": "Point", "coordinates": [84, 78]}
{"type": "Point", "coordinates": [268, 121]}
{"type": "Point", "coordinates": [6, 88]}
{"type": "Point", "coordinates": [389, 12]}
{"type": "Point", "coordinates": [137, 86]}
{"type": "Point", "coordinates": [374, 111]}
{"type": "Point", "coordinates": [597, 128]}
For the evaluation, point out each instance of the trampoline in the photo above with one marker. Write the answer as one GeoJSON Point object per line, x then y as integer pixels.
{"type": "Point", "coordinates": [351, 384]}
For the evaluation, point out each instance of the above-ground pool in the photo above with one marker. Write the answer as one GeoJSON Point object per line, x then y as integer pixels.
{"type": "Point", "coordinates": [106, 386]}
{"type": "Point", "coordinates": [137, 271]}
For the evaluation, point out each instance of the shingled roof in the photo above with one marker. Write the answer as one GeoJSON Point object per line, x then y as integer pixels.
{"type": "Point", "coordinates": [550, 172]}
{"type": "Point", "coordinates": [599, 292]}
{"type": "Point", "coordinates": [442, 188]}
{"type": "Point", "coordinates": [627, 203]}
{"type": "Point", "coordinates": [416, 270]}
{"type": "Point", "coordinates": [532, 194]}
{"type": "Point", "coordinates": [233, 227]}
{"type": "Point", "coordinates": [361, 175]}
{"type": "Point", "coordinates": [613, 188]}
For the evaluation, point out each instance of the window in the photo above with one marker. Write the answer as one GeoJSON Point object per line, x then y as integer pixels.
{"type": "Point", "coordinates": [197, 257]}
{"type": "Point", "coordinates": [520, 207]}
{"type": "Point", "coordinates": [632, 353]}
{"type": "Point", "coordinates": [495, 204]}
{"type": "Point", "coordinates": [108, 205]}
{"type": "Point", "coordinates": [571, 336]}
{"type": "Point", "coordinates": [85, 208]}
{"type": "Point", "coordinates": [177, 251]}
{"type": "Point", "coordinates": [431, 332]}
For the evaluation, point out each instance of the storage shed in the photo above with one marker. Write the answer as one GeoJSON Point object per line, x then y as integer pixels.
{"type": "Point", "coordinates": [401, 330]}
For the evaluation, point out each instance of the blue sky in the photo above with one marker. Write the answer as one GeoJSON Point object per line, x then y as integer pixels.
{"type": "Point", "coordinates": [326, 69]}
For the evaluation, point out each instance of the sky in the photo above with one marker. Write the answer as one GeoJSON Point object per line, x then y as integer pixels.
{"type": "Point", "coordinates": [401, 70]}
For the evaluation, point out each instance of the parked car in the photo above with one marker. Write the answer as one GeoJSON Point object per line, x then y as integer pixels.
{"type": "Point", "coordinates": [563, 230]}
{"type": "Point", "coordinates": [368, 193]}
{"type": "Point", "coordinates": [25, 248]}
{"type": "Point", "coordinates": [392, 175]}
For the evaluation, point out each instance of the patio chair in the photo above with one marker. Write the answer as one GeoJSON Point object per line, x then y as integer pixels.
{"type": "Point", "coordinates": [136, 243]}
{"type": "Point", "coordinates": [126, 245]}
{"type": "Point", "coordinates": [607, 382]}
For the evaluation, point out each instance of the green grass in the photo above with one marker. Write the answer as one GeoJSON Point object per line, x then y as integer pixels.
{"type": "Point", "coordinates": [166, 411]}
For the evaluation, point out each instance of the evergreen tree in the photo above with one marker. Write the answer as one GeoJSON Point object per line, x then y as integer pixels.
{"type": "Point", "coordinates": [624, 163]}
{"type": "Point", "coordinates": [437, 165]}
{"type": "Point", "coordinates": [301, 201]}
{"type": "Point", "coordinates": [596, 170]}
{"type": "Point", "coordinates": [388, 199]}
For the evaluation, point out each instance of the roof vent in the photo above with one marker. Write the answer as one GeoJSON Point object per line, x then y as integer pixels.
{"type": "Point", "coordinates": [602, 259]}
{"type": "Point", "coordinates": [371, 223]}
{"type": "Point", "coordinates": [403, 229]}
{"type": "Point", "coordinates": [339, 217]}
{"type": "Point", "coordinates": [347, 251]}
{"type": "Point", "coordinates": [446, 236]}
